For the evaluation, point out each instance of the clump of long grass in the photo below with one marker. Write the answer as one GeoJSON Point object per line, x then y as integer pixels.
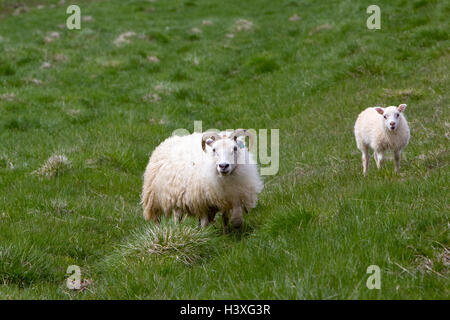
{"type": "Point", "coordinates": [181, 242]}
{"type": "Point", "coordinates": [54, 166]}
{"type": "Point", "coordinates": [23, 265]}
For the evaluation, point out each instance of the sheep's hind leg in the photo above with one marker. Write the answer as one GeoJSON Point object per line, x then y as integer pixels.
{"type": "Point", "coordinates": [154, 216]}
{"type": "Point", "coordinates": [225, 220]}
{"type": "Point", "coordinates": [397, 156]}
{"type": "Point", "coordinates": [204, 221]}
{"type": "Point", "coordinates": [177, 216]}
{"type": "Point", "coordinates": [365, 159]}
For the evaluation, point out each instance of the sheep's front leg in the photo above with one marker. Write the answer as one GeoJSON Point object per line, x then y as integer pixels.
{"type": "Point", "coordinates": [397, 155]}
{"type": "Point", "coordinates": [177, 216]}
{"type": "Point", "coordinates": [236, 218]}
{"type": "Point", "coordinates": [225, 220]}
{"type": "Point", "coordinates": [379, 158]}
{"type": "Point", "coordinates": [204, 221]}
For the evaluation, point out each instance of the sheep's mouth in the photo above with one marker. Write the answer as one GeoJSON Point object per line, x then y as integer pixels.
{"type": "Point", "coordinates": [225, 172]}
{"type": "Point", "coordinates": [392, 128]}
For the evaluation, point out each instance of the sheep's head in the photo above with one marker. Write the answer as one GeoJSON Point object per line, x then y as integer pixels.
{"type": "Point", "coordinates": [392, 116]}
{"type": "Point", "coordinates": [225, 149]}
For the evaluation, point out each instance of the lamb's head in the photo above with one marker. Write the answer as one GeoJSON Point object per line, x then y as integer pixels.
{"type": "Point", "coordinates": [225, 149]}
{"type": "Point", "coordinates": [392, 116]}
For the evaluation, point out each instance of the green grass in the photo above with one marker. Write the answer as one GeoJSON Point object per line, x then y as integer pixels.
{"type": "Point", "coordinates": [319, 223]}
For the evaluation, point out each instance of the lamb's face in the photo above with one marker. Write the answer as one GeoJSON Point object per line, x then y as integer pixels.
{"type": "Point", "coordinates": [225, 152]}
{"type": "Point", "coordinates": [391, 116]}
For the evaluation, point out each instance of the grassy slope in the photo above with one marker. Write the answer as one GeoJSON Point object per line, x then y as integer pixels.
{"type": "Point", "coordinates": [319, 223]}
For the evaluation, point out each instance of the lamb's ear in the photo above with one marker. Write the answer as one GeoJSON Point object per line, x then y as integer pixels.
{"type": "Point", "coordinates": [401, 107]}
{"type": "Point", "coordinates": [380, 110]}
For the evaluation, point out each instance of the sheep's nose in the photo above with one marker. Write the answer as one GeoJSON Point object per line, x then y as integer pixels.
{"type": "Point", "coordinates": [224, 165]}
{"type": "Point", "coordinates": [392, 123]}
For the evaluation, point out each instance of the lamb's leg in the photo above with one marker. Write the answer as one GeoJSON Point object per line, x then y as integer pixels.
{"type": "Point", "coordinates": [379, 158]}
{"type": "Point", "coordinates": [236, 218]}
{"type": "Point", "coordinates": [397, 155]}
{"type": "Point", "coordinates": [225, 220]}
{"type": "Point", "coordinates": [365, 159]}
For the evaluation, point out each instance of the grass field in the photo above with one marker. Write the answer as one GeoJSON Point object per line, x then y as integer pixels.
{"type": "Point", "coordinates": [105, 102]}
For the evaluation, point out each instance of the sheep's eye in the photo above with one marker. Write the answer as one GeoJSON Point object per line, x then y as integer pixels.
{"type": "Point", "coordinates": [214, 150]}
{"type": "Point", "coordinates": [385, 117]}
{"type": "Point", "coordinates": [397, 114]}
{"type": "Point", "coordinates": [235, 148]}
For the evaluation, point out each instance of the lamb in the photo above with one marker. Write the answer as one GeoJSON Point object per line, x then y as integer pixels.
{"type": "Point", "coordinates": [200, 175]}
{"type": "Point", "coordinates": [381, 129]}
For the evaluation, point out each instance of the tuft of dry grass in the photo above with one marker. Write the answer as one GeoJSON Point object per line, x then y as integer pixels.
{"type": "Point", "coordinates": [88, 18]}
{"type": "Point", "coordinates": [59, 57]}
{"type": "Point", "coordinates": [54, 166]}
{"type": "Point", "coordinates": [45, 65]}
{"type": "Point", "coordinates": [35, 81]}
{"type": "Point", "coordinates": [153, 59]}
{"type": "Point", "coordinates": [60, 207]}
{"type": "Point", "coordinates": [151, 97]}
{"type": "Point", "coordinates": [124, 38]}
{"type": "Point", "coordinates": [20, 10]}
{"type": "Point", "coordinates": [321, 28]}
{"type": "Point", "coordinates": [83, 285]}
{"type": "Point", "coordinates": [446, 257]}
{"type": "Point", "coordinates": [164, 87]}
{"type": "Point", "coordinates": [295, 17]}
{"type": "Point", "coordinates": [51, 36]}
{"type": "Point", "coordinates": [424, 264]}
{"type": "Point", "coordinates": [5, 162]}
{"type": "Point", "coordinates": [402, 93]}
{"type": "Point", "coordinates": [7, 96]}
{"type": "Point", "coordinates": [193, 59]}
{"type": "Point", "coordinates": [207, 23]}
{"type": "Point", "coordinates": [242, 25]}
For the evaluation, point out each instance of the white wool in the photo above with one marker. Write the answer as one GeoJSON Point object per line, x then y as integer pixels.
{"type": "Point", "coordinates": [372, 130]}
{"type": "Point", "coordinates": [181, 178]}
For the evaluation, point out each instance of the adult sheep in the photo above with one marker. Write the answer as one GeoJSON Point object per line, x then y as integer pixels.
{"type": "Point", "coordinates": [381, 129]}
{"type": "Point", "coordinates": [200, 175]}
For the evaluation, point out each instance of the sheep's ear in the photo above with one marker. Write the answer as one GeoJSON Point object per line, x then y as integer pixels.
{"type": "Point", "coordinates": [401, 107]}
{"type": "Point", "coordinates": [380, 110]}
{"type": "Point", "coordinates": [208, 142]}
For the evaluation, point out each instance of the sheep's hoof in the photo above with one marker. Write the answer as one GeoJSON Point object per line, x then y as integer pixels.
{"type": "Point", "coordinates": [236, 223]}
{"type": "Point", "coordinates": [226, 229]}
